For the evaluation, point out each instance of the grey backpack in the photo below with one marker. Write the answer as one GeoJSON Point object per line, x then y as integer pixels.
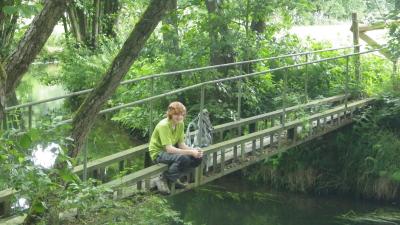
{"type": "Point", "coordinates": [201, 136]}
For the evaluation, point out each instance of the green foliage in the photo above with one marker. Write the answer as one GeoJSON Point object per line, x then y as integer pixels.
{"type": "Point", "coordinates": [139, 209]}
{"type": "Point", "coordinates": [43, 187]}
{"type": "Point", "coordinates": [23, 9]}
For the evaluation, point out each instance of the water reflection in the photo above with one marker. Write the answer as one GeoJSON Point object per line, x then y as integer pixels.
{"type": "Point", "coordinates": [21, 204]}
{"type": "Point", "coordinates": [234, 201]}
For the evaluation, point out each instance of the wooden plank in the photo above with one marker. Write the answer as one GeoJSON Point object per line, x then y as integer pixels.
{"type": "Point", "coordinates": [375, 26]}
{"type": "Point", "coordinates": [136, 176]}
{"type": "Point", "coordinates": [6, 194]}
{"type": "Point", "coordinates": [375, 44]}
{"type": "Point", "coordinates": [114, 158]}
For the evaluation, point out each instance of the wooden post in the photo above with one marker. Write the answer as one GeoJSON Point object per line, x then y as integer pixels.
{"type": "Point", "coordinates": [242, 151]}
{"type": "Point", "coordinates": [222, 161]}
{"type": "Point", "coordinates": [284, 97]}
{"type": "Point", "coordinates": [147, 158]}
{"type": "Point", "coordinates": [202, 99]}
{"type": "Point", "coordinates": [306, 80]}
{"type": "Point", "coordinates": [356, 42]}
{"type": "Point", "coordinates": [85, 157]}
{"type": "Point", "coordinates": [291, 134]}
{"type": "Point", "coordinates": [235, 148]}
{"type": "Point", "coordinates": [198, 175]}
{"type": "Point", "coordinates": [346, 88]}
{"type": "Point", "coordinates": [215, 158]}
{"type": "Point", "coordinates": [121, 165]}
{"type": "Point", "coordinates": [5, 208]}
{"type": "Point", "coordinates": [394, 75]}
{"type": "Point", "coordinates": [30, 112]}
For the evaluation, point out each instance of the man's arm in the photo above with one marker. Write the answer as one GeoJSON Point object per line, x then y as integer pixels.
{"type": "Point", "coordinates": [198, 152]}
{"type": "Point", "coordinates": [172, 149]}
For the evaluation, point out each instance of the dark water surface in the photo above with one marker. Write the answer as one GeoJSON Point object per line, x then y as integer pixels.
{"type": "Point", "coordinates": [232, 201]}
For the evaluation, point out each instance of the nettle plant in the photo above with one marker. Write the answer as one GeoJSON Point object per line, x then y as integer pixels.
{"type": "Point", "coordinates": [43, 188]}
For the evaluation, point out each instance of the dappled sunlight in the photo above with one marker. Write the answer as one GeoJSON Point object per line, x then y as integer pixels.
{"type": "Point", "coordinates": [45, 156]}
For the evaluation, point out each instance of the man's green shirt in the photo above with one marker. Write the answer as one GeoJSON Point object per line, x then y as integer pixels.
{"type": "Point", "coordinates": [163, 135]}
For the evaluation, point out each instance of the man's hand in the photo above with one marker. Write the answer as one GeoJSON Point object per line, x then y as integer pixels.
{"type": "Point", "coordinates": [197, 153]}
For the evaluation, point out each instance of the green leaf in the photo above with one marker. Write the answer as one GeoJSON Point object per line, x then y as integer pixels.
{"type": "Point", "coordinates": [396, 176]}
{"type": "Point", "coordinates": [67, 175]}
{"type": "Point", "coordinates": [10, 9]}
{"type": "Point", "coordinates": [38, 207]}
{"type": "Point", "coordinates": [25, 141]}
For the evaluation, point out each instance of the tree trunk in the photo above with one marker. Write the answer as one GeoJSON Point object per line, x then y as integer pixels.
{"type": "Point", "coordinates": [32, 42]}
{"type": "Point", "coordinates": [87, 112]}
{"type": "Point", "coordinates": [86, 27]}
{"type": "Point", "coordinates": [3, 78]}
{"type": "Point", "coordinates": [18, 120]}
{"type": "Point", "coordinates": [65, 25]}
{"type": "Point", "coordinates": [74, 23]}
{"type": "Point", "coordinates": [8, 24]}
{"type": "Point", "coordinates": [221, 51]}
{"type": "Point", "coordinates": [171, 45]}
{"type": "Point", "coordinates": [95, 25]}
{"type": "Point", "coordinates": [171, 36]}
{"type": "Point", "coordinates": [81, 19]}
{"type": "Point", "coordinates": [111, 8]}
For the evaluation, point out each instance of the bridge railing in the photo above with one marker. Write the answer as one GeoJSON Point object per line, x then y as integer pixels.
{"type": "Point", "coordinates": [187, 72]}
{"type": "Point", "coordinates": [99, 168]}
{"type": "Point", "coordinates": [231, 155]}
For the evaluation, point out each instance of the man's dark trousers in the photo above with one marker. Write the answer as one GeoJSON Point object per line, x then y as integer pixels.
{"type": "Point", "coordinates": [178, 164]}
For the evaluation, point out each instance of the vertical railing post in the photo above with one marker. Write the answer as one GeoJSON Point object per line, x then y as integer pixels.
{"type": "Point", "coordinates": [202, 93]}
{"type": "Point", "coordinates": [199, 169]}
{"type": "Point", "coordinates": [30, 117]}
{"type": "Point", "coordinates": [306, 79]}
{"type": "Point", "coordinates": [151, 106]}
{"type": "Point", "coordinates": [147, 158]}
{"type": "Point", "coordinates": [85, 157]}
{"type": "Point", "coordinates": [284, 96]}
{"type": "Point", "coordinates": [356, 42]}
{"type": "Point", "coordinates": [239, 104]}
{"type": "Point", "coordinates": [346, 87]}
{"type": "Point", "coordinates": [394, 75]}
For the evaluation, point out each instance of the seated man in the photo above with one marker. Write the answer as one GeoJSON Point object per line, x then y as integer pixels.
{"type": "Point", "coordinates": [167, 146]}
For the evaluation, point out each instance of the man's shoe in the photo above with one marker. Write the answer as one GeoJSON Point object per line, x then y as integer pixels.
{"type": "Point", "coordinates": [162, 186]}
{"type": "Point", "coordinates": [180, 185]}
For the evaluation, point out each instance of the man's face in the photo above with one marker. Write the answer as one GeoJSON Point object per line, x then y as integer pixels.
{"type": "Point", "coordinates": [178, 117]}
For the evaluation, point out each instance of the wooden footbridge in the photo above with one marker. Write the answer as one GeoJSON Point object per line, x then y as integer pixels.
{"type": "Point", "coordinates": [275, 131]}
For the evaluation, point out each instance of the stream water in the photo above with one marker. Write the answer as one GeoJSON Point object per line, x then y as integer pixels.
{"type": "Point", "coordinates": [234, 201]}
